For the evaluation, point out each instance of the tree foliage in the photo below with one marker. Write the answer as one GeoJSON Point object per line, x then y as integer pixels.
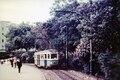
{"type": "Point", "coordinates": [20, 36]}
{"type": "Point", "coordinates": [99, 21]}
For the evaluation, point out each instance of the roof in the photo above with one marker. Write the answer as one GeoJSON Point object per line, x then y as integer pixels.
{"type": "Point", "coordinates": [51, 51]}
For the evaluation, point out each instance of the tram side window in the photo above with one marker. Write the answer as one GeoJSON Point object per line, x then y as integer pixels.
{"type": "Point", "coordinates": [48, 56]}
{"type": "Point", "coordinates": [53, 56]}
{"type": "Point", "coordinates": [38, 56]}
{"type": "Point", "coordinates": [45, 56]}
{"type": "Point", "coordinates": [42, 56]}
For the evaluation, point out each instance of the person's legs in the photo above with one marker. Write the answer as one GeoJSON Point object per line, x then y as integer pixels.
{"type": "Point", "coordinates": [12, 64]}
{"type": "Point", "coordinates": [19, 69]}
{"type": "Point", "coordinates": [15, 65]}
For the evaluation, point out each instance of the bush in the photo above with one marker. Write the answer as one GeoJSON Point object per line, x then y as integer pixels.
{"type": "Point", "coordinates": [110, 65]}
{"type": "Point", "coordinates": [28, 57]}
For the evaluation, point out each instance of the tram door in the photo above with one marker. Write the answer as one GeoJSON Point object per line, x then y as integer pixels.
{"type": "Point", "coordinates": [45, 61]}
{"type": "Point", "coordinates": [38, 59]}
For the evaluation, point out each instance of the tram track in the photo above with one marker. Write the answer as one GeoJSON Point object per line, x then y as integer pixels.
{"type": "Point", "coordinates": [64, 75]}
{"type": "Point", "coordinates": [75, 77]}
{"type": "Point", "coordinates": [57, 74]}
{"type": "Point", "coordinates": [50, 75]}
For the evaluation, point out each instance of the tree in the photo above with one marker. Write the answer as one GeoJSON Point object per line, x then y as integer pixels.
{"type": "Point", "coordinates": [64, 24]}
{"type": "Point", "coordinates": [20, 36]}
{"type": "Point", "coordinates": [112, 39]}
{"type": "Point", "coordinates": [91, 22]}
{"type": "Point", "coordinates": [42, 40]}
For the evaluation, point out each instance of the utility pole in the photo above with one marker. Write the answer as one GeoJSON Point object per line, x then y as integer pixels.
{"type": "Point", "coordinates": [91, 52]}
{"type": "Point", "coordinates": [66, 49]}
{"type": "Point", "coordinates": [35, 44]}
{"type": "Point", "coordinates": [90, 56]}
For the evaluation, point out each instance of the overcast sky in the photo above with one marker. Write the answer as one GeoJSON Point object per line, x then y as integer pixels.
{"type": "Point", "coordinates": [18, 11]}
{"type": "Point", "coordinates": [25, 10]}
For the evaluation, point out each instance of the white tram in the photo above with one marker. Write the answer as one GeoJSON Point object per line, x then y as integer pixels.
{"type": "Point", "coordinates": [46, 58]}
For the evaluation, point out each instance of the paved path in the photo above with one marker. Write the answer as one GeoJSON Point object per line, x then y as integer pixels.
{"type": "Point", "coordinates": [27, 73]}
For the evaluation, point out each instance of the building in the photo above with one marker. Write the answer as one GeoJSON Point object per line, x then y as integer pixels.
{"type": "Point", "coordinates": [4, 27]}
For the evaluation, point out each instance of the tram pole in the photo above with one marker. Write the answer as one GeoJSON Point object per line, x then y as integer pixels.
{"type": "Point", "coordinates": [66, 47]}
{"type": "Point", "coordinates": [91, 52]}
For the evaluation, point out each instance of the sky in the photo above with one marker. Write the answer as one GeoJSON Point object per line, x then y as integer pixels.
{"type": "Point", "coordinates": [17, 11]}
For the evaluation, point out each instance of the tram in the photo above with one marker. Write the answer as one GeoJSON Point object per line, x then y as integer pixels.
{"type": "Point", "coordinates": [46, 58]}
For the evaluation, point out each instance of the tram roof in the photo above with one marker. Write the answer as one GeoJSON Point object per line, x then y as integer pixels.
{"type": "Point", "coordinates": [50, 51]}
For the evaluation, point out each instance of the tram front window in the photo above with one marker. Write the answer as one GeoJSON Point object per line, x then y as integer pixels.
{"type": "Point", "coordinates": [53, 56]}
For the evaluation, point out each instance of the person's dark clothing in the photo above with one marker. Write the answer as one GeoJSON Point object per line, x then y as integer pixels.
{"type": "Point", "coordinates": [19, 64]}
{"type": "Point", "coordinates": [11, 61]}
{"type": "Point", "coordinates": [2, 61]}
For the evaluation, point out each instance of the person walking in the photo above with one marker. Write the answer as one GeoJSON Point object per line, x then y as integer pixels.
{"type": "Point", "coordinates": [2, 61]}
{"type": "Point", "coordinates": [15, 61]}
{"type": "Point", "coordinates": [19, 64]}
{"type": "Point", "coordinates": [11, 61]}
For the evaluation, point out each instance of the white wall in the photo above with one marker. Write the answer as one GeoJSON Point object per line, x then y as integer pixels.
{"type": "Point", "coordinates": [3, 30]}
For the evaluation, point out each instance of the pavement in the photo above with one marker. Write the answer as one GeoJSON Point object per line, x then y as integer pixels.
{"type": "Point", "coordinates": [27, 73]}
